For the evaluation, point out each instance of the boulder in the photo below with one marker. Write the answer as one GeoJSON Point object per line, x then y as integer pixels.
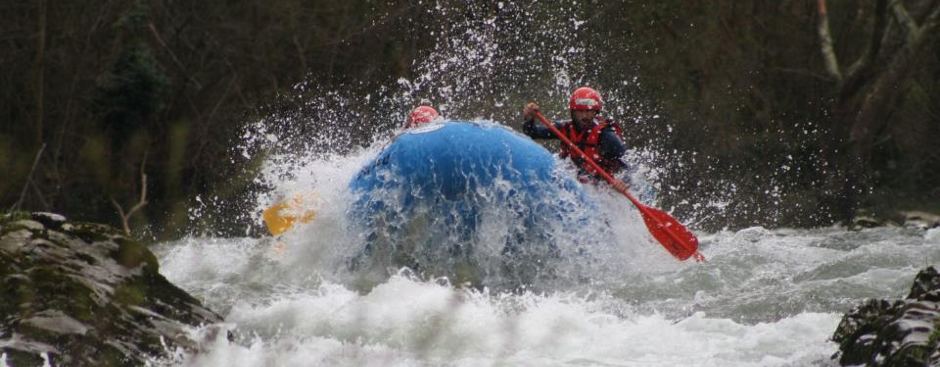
{"type": "Point", "coordinates": [894, 332]}
{"type": "Point", "coordinates": [82, 294]}
{"type": "Point", "coordinates": [920, 219]}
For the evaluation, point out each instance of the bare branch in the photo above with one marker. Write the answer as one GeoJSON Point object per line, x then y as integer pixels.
{"type": "Point", "coordinates": [825, 38]}
{"type": "Point", "coordinates": [176, 60]}
{"type": "Point", "coordinates": [300, 53]}
{"type": "Point", "coordinates": [143, 195]}
{"type": "Point", "coordinates": [125, 218]}
{"type": "Point", "coordinates": [879, 99]}
{"type": "Point", "coordinates": [40, 196]}
{"type": "Point", "coordinates": [933, 19]}
{"type": "Point", "coordinates": [40, 71]}
{"type": "Point", "coordinates": [921, 35]}
{"type": "Point", "coordinates": [120, 210]}
{"type": "Point", "coordinates": [905, 20]}
{"type": "Point", "coordinates": [29, 179]}
{"type": "Point", "coordinates": [224, 96]}
{"type": "Point", "coordinates": [874, 44]}
{"type": "Point", "coordinates": [237, 79]}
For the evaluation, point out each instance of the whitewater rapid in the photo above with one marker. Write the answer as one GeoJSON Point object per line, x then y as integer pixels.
{"type": "Point", "coordinates": [763, 298]}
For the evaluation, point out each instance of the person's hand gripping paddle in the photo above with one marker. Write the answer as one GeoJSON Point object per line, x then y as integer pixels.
{"type": "Point", "coordinates": [678, 240]}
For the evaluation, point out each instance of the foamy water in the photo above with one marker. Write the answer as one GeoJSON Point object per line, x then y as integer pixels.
{"type": "Point", "coordinates": [763, 298]}
{"type": "Point", "coordinates": [772, 299]}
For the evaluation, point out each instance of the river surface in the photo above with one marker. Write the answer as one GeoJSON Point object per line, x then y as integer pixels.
{"type": "Point", "coordinates": [762, 298]}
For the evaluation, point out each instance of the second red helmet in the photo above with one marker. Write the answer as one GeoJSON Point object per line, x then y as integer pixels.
{"type": "Point", "coordinates": [584, 99]}
{"type": "Point", "coordinates": [421, 115]}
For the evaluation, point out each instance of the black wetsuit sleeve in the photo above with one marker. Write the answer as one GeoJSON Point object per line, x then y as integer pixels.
{"type": "Point", "coordinates": [539, 131]}
{"type": "Point", "coordinates": [612, 149]}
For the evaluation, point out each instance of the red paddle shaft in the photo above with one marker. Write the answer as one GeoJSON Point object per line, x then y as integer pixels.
{"type": "Point", "coordinates": [678, 240]}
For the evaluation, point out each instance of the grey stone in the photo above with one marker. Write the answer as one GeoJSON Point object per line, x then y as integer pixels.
{"type": "Point", "coordinates": [894, 333]}
{"type": "Point", "coordinates": [82, 294]}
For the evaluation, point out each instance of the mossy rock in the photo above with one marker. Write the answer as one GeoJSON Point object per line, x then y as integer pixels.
{"type": "Point", "coordinates": [82, 294]}
{"type": "Point", "coordinates": [894, 333]}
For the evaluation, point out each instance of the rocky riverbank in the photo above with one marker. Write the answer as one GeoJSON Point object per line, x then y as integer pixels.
{"type": "Point", "coordinates": [905, 218]}
{"type": "Point", "coordinates": [894, 332]}
{"type": "Point", "coordinates": [82, 294]}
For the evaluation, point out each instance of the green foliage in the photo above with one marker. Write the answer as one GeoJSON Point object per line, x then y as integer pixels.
{"type": "Point", "coordinates": [131, 92]}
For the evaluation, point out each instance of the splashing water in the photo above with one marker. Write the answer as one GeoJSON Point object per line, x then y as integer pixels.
{"type": "Point", "coordinates": [765, 298]}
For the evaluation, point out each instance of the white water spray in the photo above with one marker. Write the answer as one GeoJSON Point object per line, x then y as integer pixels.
{"type": "Point", "coordinates": [765, 298]}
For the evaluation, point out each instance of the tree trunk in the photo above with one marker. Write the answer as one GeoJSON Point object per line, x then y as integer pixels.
{"type": "Point", "coordinates": [40, 72]}
{"type": "Point", "coordinates": [868, 94]}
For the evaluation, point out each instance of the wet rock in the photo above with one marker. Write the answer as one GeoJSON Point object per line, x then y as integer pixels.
{"type": "Point", "coordinates": [919, 219]}
{"type": "Point", "coordinates": [894, 333]}
{"type": "Point", "coordinates": [81, 294]}
{"type": "Point", "coordinates": [867, 221]}
{"type": "Point", "coordinates": [752, 234]}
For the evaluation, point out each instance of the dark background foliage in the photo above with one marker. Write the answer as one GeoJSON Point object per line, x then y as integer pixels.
{"type": "Point", "coordinates": [738, 109]}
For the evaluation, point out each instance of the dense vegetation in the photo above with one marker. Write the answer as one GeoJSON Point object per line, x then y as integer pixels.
{"type": "Point", "coordinates": [764, 112]}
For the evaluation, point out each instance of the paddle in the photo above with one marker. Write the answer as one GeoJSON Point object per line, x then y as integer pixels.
{"type": "Point", "coordinates": [678, 240]}
{"type": "Point", "coordinates": [281, 216]}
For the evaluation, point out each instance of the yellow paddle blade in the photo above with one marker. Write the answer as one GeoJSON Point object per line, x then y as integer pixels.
{"type": "Point", "coordinates": [282, 216]}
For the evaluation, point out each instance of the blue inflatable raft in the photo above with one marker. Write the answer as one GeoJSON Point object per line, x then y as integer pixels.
{"type": "Point", "coordinates": [471, 201]}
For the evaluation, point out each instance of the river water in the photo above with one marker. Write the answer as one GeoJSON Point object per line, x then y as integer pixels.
{"type": "Point", "coordinates": [763, 297]}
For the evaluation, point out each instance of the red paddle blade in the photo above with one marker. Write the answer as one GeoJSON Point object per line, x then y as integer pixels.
{"type": "Point", "coordinates": [678, 240]}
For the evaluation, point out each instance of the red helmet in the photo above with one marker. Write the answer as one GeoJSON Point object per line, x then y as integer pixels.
{"type": "Point", "coordinates": [421, 115]}
{"type": "Point", "coordinates": [585, 99]}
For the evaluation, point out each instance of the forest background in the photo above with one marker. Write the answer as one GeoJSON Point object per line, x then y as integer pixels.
{"type": "Point", "coordinates": [774, 113]}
